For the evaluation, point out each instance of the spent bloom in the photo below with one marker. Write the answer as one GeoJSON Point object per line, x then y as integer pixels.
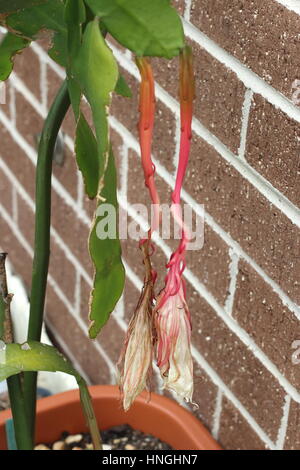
{"type": "Point", "coordinates": [136, 357]}
{"type": "Point", "coordinates": [167, 327]}
{"type": "Point", "coordinates": [172, 316]}
{"type": "Point", "coordinates": [138, 349]}
{"type": "Point", "coordinates": [173, 326]}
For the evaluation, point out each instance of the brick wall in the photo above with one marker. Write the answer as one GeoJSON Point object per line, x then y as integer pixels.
{"type": "Point", "coordinates": [244, 285]}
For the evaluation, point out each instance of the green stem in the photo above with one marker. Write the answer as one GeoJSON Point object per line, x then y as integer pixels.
{"type": "Point", "coordinates": [23, 435]}
{"type": "Point", "coordinates": [50, 131]}
{"type": "Point", "coordinates": [87, 406]}
{"type": "Point", "coordinates": [14, 385]}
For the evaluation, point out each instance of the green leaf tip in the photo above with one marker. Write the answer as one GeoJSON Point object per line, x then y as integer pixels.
{"type": "Point", "coordinates": [109, 275]}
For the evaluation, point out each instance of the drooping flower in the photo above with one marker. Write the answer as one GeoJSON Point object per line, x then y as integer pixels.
{"type": "Point", "coordinates": [173, 329]}
{"type": "Point", "coordinates": [136, 357]}
{"type": "Point", "coordinates": [138, 349]}
{"type": "Point", "coordinates": [172, 317]}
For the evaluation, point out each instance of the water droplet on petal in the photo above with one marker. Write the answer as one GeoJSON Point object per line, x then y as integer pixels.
{"type": "Point", "coordinates": [25, 347]}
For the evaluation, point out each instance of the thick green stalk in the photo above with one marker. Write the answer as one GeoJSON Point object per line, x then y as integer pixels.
{"type": "Point", "coordinates": [23, 435]}
{"type": "Point", "coordinates": [14, 385]}
{"type": "Point", "coordinates": [50, 131]}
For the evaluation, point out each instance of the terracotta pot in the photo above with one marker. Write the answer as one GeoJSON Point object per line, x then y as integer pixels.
{"type": "Point", "coordinates": [161, 417]}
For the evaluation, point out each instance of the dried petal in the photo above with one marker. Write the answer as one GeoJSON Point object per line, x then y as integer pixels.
{"type": "Point", "coordinates": [137, 354]}
{"type": "Point", "coordinates": [174, 359]}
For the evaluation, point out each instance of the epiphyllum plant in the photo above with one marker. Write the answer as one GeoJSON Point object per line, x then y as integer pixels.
{"type": "Point", "coordinates": [165, 327]}
{"type": "Point", "coordinates": [77, 30]}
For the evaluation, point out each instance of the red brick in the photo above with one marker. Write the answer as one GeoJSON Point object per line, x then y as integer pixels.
{"type": "Point", "coordinates": [209, 264]}
{"type": "Point", "coordinates": [77, 341]}
{"type": "Point", "coordinates": [5, 192]}
{"type": "Point", "coordinates": [252, 384]}
{"type": "Point", "coordinates": [219, 98]}
{"type": "Point", "coordinates": [292, 439]}
{"type": "Point", "coordinates": [18, 162]}
{"type": "Point", "coordinates": [89, 205]}
{"type": "Point", "coordinates": [67, 172]}
{"type": "Point", "coordinates": [219, 93]}
{"type": "Point", "coordinates": [29, 122]}
{"type": "Point", "coordinates": [27, 67]}
{"type": "Point", "coordinates": [263, 231]}
{"type": "Point", "coordinates": [126, 109]}
{"type": "Point", "coordinates": [5, 107]}
{"type": "Point", "coordinates": [127, 112]}
{"type": "Point", "coordinates": [131, 297]}
{"type": "Point", "coordinates": [85, 290]}
{"type": "Point", "coordinates": [205, 394]}
{"type": "Point", "coordinates": [117, 144]}
{"type": "Point", "coordinates": [111, 335]}
{"type": "Point", "coordinates": [71, 229]}
{"type": "Point", "coordinates": [262, 35]}
{"type": "Point", "coordinates": [179, 5]}
{"type": "Point", "coordinates": [273, 147]}
{"type": "Point", "coordinates": [53, 83]}
{"type": "Point", "coordinates": [235, 433]}
{"type": "Point", "coordinates": [26, 220]}
{"type": "Point", "coordinates": [111, 338]}
{"type": "Point", "coordinates": [62, 271]}
{"type": "Point", "coordinates": [17, 255]}
{"type": "Point", "coordinates": [271, 324]}
{"type": "Point", "coordinates": [166, 73]}
{"type": "Point", "coordinates": [164, 144]}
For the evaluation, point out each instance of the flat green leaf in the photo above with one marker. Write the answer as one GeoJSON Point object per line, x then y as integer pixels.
{"type": "Point", "coordinates": [85, 143]}
{"type": "Point", "coordinates": [147, 27]}
{"type": "Point", "coordinates": [30, 21]}
{"type": "Point", "coordinates": [106, 255]}
{"type": "Point", "coordinates": [33, 356]}
{"type": "Point", "coordinates": [122, 87]}
{"type": "Point", "coordinates": [9, 46]}
{"type": "Point", "coordinates": [47, 15]}
{"type": "Point", "coordinates": [96, 70]}
{"type": "Point", "coordinates": [86, 156]}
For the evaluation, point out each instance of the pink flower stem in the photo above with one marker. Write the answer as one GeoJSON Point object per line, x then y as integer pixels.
{"type": "Point", "coordinates": [176, 264]}
{"type": "Point", "coordinates": [145, 127]}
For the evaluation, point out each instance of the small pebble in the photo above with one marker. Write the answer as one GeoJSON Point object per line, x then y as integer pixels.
{"type": "Point", "coordinates": [41, 447]}
{"type": "Point", "coordinates": [59, 445]}
{"type": "Point", "coordinates": [106, 447]}
{"type": "Point", "coordinates": [129, 447]}
{"type": "Point", "coordinates": [73, 439]}
{"type": "Point", "coordinates": [115, 438]}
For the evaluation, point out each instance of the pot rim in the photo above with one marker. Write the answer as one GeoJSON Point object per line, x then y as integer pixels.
{"type": "Point", "coordinates": [169, 414]}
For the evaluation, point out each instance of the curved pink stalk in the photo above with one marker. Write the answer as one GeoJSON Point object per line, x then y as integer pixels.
{"type": "Point", "coordinates": [145, 126]}
{"type": "Point", "coordinates": [136, 357]}
{"type": "Point", "coordinates": [176, 264]}
{"type": "Point", "coordinates": [173, 323]}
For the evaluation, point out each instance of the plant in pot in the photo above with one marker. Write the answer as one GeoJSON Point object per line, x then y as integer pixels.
{"type": "Point", "coordinates": [160, 327]}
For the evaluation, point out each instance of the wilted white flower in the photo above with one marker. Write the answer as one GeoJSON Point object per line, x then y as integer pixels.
{"type": "Point", "coordinates": [173, 329]}
{"type": "Point", "coordinates": [136, 357]}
